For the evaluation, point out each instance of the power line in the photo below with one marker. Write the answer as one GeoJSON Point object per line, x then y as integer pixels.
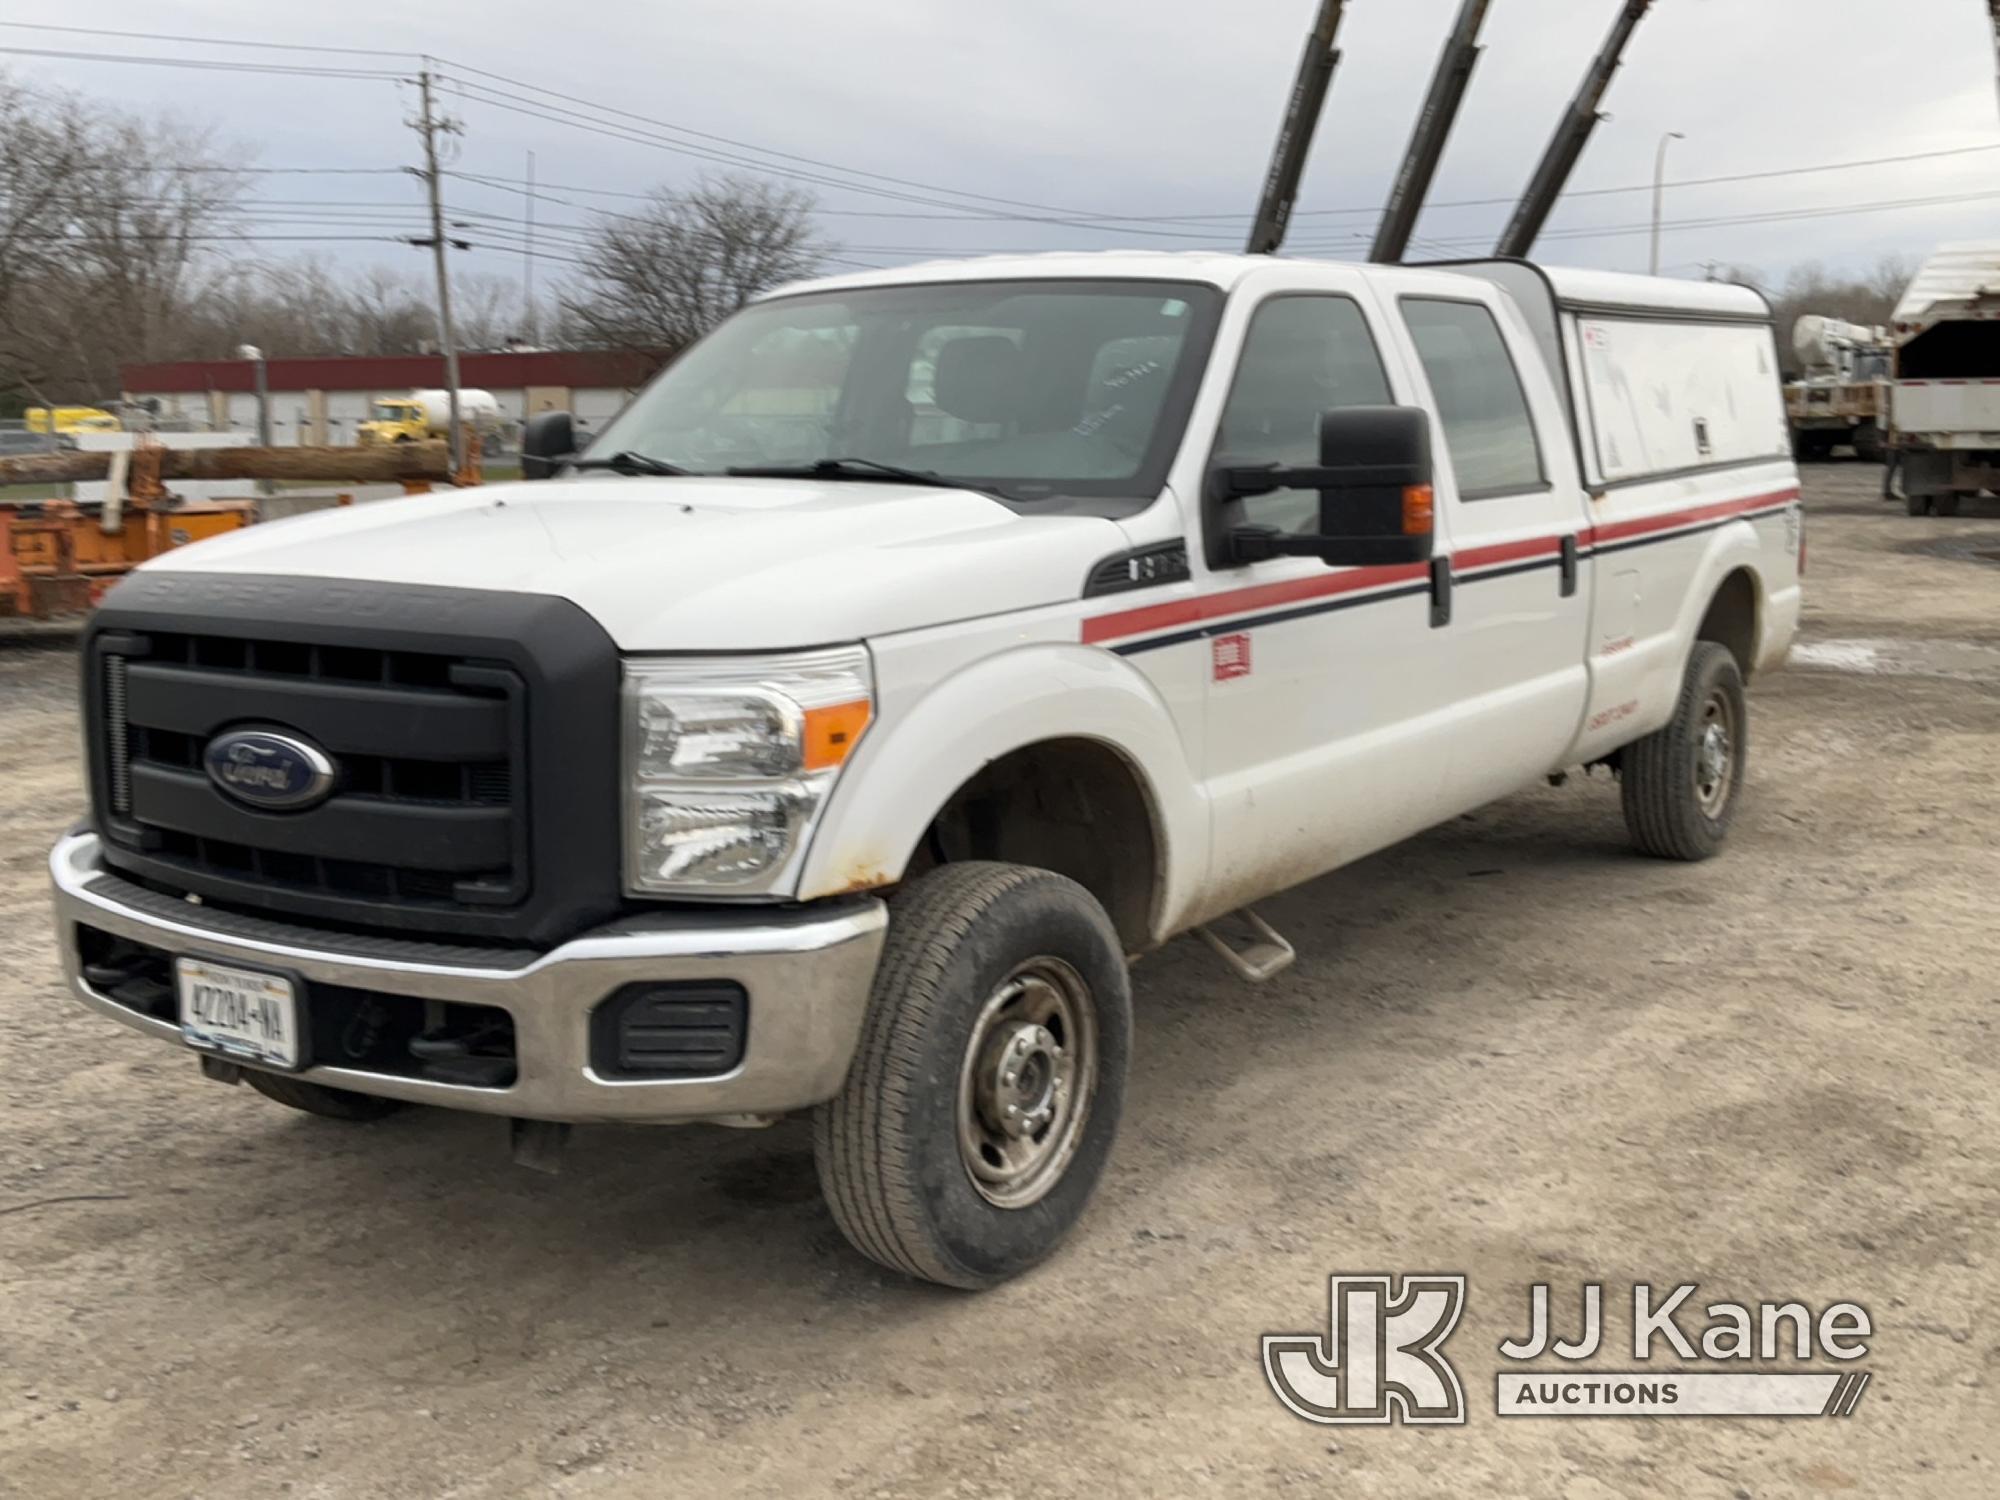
{"type": "Point", "coordinates": [740, 145]}
{"type": "Point", "coordinates": [255, 171]}
{"type": "Point", "coordinates": [202, 41]}
{"type": "Point", "coordinates": [1781, 216]}
{"type": "Point", "coordinates": [555, 114]}
{"type": "Point", "coordinates": [207, 64]}
{"type": "Point", "coordinates": [1061, 214]}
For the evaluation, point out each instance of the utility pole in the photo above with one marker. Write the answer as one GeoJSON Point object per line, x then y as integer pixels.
{"type": "Point", "coordinates": [429, 126]}
{"type": "Point", "coordinates": [1433, 129]}
{"type": "Point", "coordinates": [1578, 121]}
{"type": "Point", "coordinates": [528, 255]}
{"type": "Point", "coordinates": [1295, 132]}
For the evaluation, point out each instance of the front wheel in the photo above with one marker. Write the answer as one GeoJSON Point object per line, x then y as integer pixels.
{"type": "Point", "coordinates": [1681, 784]}
{"type": "Point", "coordinates": [986, 1089]}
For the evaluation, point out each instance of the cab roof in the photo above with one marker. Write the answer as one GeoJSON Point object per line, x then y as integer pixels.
{"type": "Point", "coordinates": [1572, 287]}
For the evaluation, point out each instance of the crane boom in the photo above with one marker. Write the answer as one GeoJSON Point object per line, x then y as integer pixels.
{"type": "Point", "coordinates": [1993, 6]}
{"type": "Point", "coordinates": [1552, 176]}
{"type": "Point", "coordinates": [1433, 129]}
{"type": "Point", "coordinates": [1295, 132]}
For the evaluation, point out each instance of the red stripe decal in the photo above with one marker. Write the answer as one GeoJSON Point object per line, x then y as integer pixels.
{"type": "Point", "coordinates": [1618, 530]}
{"type": "Point", "coordinates": [1242, 601]}
{"type": "Point", "coordinates": [1505, 552]}
{"type": "Point", "coordinates": [1155, 617]}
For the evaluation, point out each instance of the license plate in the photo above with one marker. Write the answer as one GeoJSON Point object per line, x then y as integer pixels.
{"type": "Point", "coordinates": [240, 1012]}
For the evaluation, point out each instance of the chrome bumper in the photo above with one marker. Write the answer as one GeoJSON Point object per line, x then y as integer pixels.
{"type": "Point", "coordinates": [807, 973]}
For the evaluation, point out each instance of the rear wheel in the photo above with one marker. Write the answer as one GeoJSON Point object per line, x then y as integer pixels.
{"type": "Point", "coordinates": [318, 1099]}
{"type": "Point", "coordinates": [1946, 504]}
{"type": "Point", "coordinates": [1682, 783]}
{"type": "Point", "coordinates": [1916, 504]}
{"type": "Point", "coordinates": [1869, 446]}
{"type": "Point", "coordinates": [985, 1093]}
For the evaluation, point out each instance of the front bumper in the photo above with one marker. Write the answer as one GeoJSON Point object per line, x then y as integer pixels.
{"type": "Point", "coordinates": [807, 972]}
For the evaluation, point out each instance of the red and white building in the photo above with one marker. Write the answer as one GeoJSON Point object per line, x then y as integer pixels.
{"type": "Point", "coordinates": [322, 401]}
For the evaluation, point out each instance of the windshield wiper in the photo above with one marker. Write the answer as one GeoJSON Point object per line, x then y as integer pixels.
{"type": "Point", "coordinates": [859, 468]}
{"type": "Point", "coordinates": [630, 463]}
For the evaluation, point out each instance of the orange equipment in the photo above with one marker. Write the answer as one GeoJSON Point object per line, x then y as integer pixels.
{"type": "Point", "coordinates": [57, 557]}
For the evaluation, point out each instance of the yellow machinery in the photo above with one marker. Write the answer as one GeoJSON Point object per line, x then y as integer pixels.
{"type": "Point", "coordinates": [71, 419]}
{"type": "Point", "coordinates": [394, 419]}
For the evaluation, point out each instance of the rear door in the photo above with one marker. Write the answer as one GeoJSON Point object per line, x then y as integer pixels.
{"type": "Point", "coordinates": [1511, 596]}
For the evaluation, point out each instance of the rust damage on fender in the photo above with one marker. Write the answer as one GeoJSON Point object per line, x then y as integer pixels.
{"type": "Point", "coordinates": [862, 875]}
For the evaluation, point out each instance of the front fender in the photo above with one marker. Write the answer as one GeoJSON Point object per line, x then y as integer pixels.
{"type": "Point", "coordinates": [914, 758]}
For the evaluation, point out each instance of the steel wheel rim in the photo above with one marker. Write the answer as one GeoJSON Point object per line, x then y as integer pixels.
{"type": "Point", "coordinates": [1715, 744]}
{"type": "Point", "coordinates": [1026, 1082]}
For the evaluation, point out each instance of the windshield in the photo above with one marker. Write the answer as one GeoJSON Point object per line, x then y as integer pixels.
{"type": "Point", "coordinates": [1031, 388]}
{"type": "Point", "coordinates": [391, 411]}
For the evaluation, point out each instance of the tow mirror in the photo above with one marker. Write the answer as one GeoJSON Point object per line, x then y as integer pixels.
{"type": "Point", "coordinates": [546, 442]}
{"type": "Point", "coordinates": [1375, 500]}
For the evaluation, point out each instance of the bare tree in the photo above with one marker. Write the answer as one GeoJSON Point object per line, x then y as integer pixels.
{"type": "Point", "coordinates": [486, 309]}
{"type": "Point", "coordinates": [388, 312]}
{"type": "Point", "coordinates": [1809, 288]}
{"type": "Point", "coordinates": [662, 277]}
{"type": "Point", "coordinates": [110, 231]}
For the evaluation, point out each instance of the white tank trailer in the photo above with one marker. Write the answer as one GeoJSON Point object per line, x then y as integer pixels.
{"type": "Point", "coordinates": [1843, 395]}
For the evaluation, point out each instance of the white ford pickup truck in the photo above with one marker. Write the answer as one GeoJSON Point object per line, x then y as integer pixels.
{"type": "Point", "coordinates": [918, 650]}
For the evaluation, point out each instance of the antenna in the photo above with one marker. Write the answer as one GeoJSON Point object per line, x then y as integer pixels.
{"type": "Point", "coordinates": [1433, 129]}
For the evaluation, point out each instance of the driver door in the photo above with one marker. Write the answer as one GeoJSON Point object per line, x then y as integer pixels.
{"type": "Point", "coordinates": [1321, 742]}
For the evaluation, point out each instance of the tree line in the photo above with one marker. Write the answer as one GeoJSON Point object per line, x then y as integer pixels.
{"type": "Point", "coordinates": [129, 240]}
{"type": "Point", "coordinates": [1868, 299]}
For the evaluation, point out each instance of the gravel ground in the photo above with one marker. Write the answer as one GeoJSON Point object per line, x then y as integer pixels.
{"type": "Point", "coordinates": [1509, 1049]}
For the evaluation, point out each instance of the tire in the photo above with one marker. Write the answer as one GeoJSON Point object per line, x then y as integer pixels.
{"type": "Point", "coordinates": [1917, 505]}
{"type": "Point", "coordinates": [318, 1099]}
{"type": "Point", "coordinates": [1946, 504]}
{"type": "Point", "coordinates": [1670, 809]}
{"type": "Point", "coordinates": [1869, 445]}
{"type": "Point", "coordinates": [898, 1147]}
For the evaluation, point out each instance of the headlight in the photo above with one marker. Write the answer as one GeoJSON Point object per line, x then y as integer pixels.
{"type": "Point", "coordinates": [727, 762]}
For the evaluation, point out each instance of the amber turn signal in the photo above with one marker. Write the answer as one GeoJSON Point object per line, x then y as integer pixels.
{"type": "Point", "coordinates": [832, 732]}
{"type": "Point", "coordinates": [1419, 510]}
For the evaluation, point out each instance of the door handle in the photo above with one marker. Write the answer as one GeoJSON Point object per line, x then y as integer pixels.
{"type": "Point", "coordinates": [1440, 592]}
{"type": "Point", "coordinates": [1569, 565]}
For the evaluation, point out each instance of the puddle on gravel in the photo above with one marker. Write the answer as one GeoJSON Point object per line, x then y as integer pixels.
{"type": "Point", "coordinates": [1961, 661]}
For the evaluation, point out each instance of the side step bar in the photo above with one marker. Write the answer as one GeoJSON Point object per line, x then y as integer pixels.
{"type": "Point", "coordinates": [1258, 960]}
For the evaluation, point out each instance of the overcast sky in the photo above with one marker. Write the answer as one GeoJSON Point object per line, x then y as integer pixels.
{"type": "Point", "coordinates": [1125, 107]}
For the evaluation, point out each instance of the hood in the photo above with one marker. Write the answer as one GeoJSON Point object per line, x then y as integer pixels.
{"type": "Point", "coordinates": [696, 564]}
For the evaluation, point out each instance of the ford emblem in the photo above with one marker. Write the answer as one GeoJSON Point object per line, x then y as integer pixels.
{"type": "Point", "coordinates": [263, 769]}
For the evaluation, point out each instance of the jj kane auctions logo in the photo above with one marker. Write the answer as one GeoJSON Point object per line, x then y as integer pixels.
{"type": "Point", "coordinates": [1382, 1358]}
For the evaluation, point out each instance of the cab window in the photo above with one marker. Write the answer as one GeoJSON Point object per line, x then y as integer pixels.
{"type": "Point", "coordinates": [1494, 450]}
{"type": "Point", "coordinates": [1304, 356]}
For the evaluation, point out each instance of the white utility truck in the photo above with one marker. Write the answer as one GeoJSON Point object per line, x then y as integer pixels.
{"type": "Point", "coordinates": [1947, 394]}
{"type": "Point", "coordinates": [917, 651]}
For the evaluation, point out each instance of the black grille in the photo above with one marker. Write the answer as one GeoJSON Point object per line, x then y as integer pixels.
{"type": "Point", "coordinates": [425, 812]}
{"type": "Point", "coordinates": [475, 735]}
